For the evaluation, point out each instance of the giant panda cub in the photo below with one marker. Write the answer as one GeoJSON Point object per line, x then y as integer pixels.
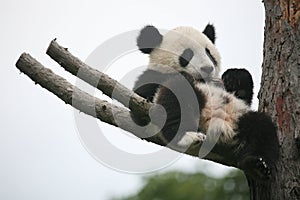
{"type": "Point", "coordinates": [183, 77]}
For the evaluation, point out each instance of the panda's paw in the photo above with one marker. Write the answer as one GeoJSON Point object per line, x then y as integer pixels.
{"type": "Point", "coordinates": [256, 167]}
{"type": "Point", "coordinates": [263, 168]}
{"type": "Point", "coordinates": [191, 139]}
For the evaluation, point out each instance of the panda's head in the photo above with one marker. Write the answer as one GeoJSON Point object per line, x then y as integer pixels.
{"type": "Point", "coordinates": [183, 49]}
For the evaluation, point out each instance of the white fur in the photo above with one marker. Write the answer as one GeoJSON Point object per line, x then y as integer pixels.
{"type": "Point", "coordinates": [165, 58]}
{"type": "Point", "coordinates": [218, 117]}
{"type": "Point", "coordinates": [191, 137]}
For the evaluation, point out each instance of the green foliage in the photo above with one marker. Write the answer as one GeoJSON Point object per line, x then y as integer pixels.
{"type": "Point", "coordinates": [180, 185]}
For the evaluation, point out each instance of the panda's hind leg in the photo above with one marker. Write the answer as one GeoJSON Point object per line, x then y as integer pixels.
{"type": "Point", "coordinates": [256, 167]}
{"type": "Point", "coordinates": [258, 148]}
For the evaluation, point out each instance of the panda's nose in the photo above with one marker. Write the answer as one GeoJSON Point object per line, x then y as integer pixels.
{"type": "Point", "coordinates": [207, 69]}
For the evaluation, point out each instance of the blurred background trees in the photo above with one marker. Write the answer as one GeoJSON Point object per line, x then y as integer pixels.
{"type": "Point", "coordinates": [176, 185]}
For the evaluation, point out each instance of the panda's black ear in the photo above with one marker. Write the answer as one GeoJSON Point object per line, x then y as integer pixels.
{"type": "Point", "coordinates": [210, 32]}
{"type": "Point", "coordinates": [148, 39]}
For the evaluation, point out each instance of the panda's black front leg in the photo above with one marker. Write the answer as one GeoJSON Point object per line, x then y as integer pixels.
{"type": "Point", "coordinates": [182, 103]}
{"type": "Point", "coordinates": [146, 86]}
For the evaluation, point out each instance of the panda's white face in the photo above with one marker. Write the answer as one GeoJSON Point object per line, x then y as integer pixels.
{"type": "Point", "coordinates": [186, 49]}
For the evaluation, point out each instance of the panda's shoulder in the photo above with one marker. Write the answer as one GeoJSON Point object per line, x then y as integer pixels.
{"type": "Point", "coordinates": [149, 77]}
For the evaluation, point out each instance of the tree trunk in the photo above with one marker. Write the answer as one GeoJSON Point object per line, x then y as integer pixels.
{"type": "Point", "coordinates": [280, 97]}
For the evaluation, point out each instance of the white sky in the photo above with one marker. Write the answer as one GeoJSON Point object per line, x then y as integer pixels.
{"type": "Point", "coordinates": [40, 150]}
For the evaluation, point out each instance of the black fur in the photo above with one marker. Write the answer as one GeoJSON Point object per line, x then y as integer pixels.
{"type": "Point", "coordinates": [182, 105]}
{"type": "Point", "coordinates": [211, 57]}
{"type": "Point", "coordinates": [186, 57]}
{"type": "Point", "coordinates": [210, 32]}
{"type": "Point", "coordinates": [147, 84]}
{"type": "Point", "coordinates": [240, 83]}
{"type": "Point", "coordinates": [149, 39]}
{"type": "Point", "coordinates": [259, 146]}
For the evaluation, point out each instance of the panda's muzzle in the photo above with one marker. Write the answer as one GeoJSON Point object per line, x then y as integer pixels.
{"type": "Point", "coordinates": [207, 69]}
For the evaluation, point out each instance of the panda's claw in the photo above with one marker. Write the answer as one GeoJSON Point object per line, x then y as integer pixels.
{"type": "Point", "coordinates": [263, 168]}
{"type": "Point", "coordinates": [257, 167]}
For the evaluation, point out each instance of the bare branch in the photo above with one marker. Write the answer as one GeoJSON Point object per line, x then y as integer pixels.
{"type": "Point", "coordinates": [103, 110]}
{"type": "Point", "coordinates": [69, 93]}
{"type": "Point", "coordinates": [107, 85]}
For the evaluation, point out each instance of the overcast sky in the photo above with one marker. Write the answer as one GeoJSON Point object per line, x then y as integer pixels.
{"type": "Point", "coordinates": [41, 150]}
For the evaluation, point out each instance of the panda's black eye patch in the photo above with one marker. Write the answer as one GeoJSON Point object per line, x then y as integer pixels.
{"type": "Point", "coordinates": [210, 56]}
{"type": "Point", "coordinates": [186, 57]}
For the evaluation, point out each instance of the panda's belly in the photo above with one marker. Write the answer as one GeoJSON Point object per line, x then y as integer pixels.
{"type": "Point", "coordinates": [221, 112]}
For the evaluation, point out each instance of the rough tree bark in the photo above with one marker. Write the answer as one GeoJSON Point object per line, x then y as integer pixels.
{"type": "Point", "coordinates": [280, 96]}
